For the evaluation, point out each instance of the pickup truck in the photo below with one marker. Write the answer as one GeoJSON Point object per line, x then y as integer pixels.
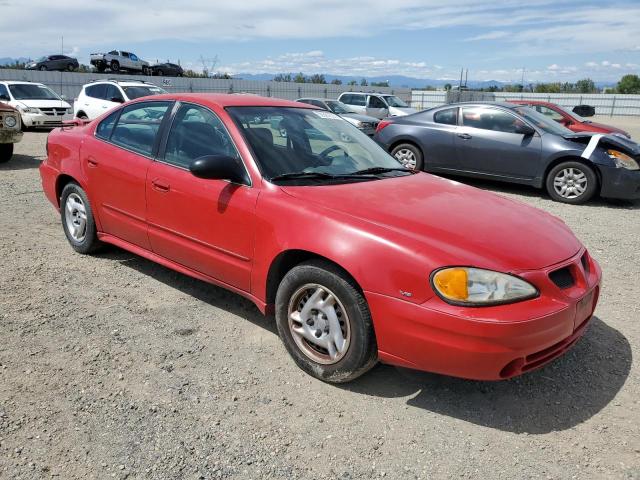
{"type": "Point", "coordinates": [117, 60]}
{"type": "Point", "coordinates": [10, 131]}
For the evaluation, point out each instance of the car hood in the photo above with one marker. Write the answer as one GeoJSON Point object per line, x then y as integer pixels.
{"type": "Point", "coordinates": [456, 223]}
{"type": "Point", "coordinates": [604, 127]}
{"type": "Point", "coordinates": [360, 118]}
{"type": "Point", "coordinates": [44, 103]}
{"type": "Point", "coordinates": [398, 111]}
{"type": "Point", "coordinates": [625, 144]}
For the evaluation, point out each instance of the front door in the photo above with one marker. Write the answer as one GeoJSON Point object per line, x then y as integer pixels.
{"type": "Point", "coordinates": [116, 161]}
{"type": "Point", "coordinates": [487, 142]}
{"type": "Point", "coordinates": [205, 225]}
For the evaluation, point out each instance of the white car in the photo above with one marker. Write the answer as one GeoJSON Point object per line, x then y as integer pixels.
{"type": "Point", "coordinates": [378, 105]}
{"type": "Point", "coordinates": [39, 106]}
{"type": "Point", "coordinates": [100, 96]}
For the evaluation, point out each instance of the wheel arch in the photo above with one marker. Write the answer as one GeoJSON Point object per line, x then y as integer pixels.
{"type": "Point", "coordinates": [572, 158]}
{"type": "Point", "coordinates": [288, 259]}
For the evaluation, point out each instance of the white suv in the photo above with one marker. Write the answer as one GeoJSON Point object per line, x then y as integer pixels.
{"type": "Point", "coordinates": [39, 106]}
{"type": "Point", "coordinates": [100, 96]}
{"type": "Point", "coordinates": [378, 105]}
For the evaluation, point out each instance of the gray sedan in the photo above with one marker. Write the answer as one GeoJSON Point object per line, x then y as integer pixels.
{"type": "Point", "coordinates": [514, 143]}
{"type": "Point", "coordinates": [366, 124]}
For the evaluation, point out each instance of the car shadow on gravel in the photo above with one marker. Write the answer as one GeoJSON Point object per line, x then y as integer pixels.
{"type": "Point", "coordinates": [559, 396]}
{"type": "Point", "coordinates": [215, 296]}
{"type": "Point", "coordinates": [531, 192]}
{"type": "Point", "coordinates": [20, 162]}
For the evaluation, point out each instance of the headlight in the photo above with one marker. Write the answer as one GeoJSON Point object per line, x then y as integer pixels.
{"type": "Point", "coordinates": [28, 109]}
{"type": "Point", "coordinates": [359, 124]}
{"type": "Point", "coordinates": [10, 121]}
{"type": "Point", "coordinates": [469, 286]}
{"type": "Point", "coordinates": [622, 160]}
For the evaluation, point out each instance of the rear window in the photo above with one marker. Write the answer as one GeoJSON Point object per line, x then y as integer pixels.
{"type": "Point", "coordinates": [96, 91]}
{"type": "Point", "coordinates": [447, 117]}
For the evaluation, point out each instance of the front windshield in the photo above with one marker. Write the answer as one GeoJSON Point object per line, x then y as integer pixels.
{"type": "Point", "coordinates": [42, 59]}
{"type": "Point", "coordinates": [572, 114]}
{"type": "Point", "coordinates": [138, 91]}
{"type": "Point", "coordinates": [338, 107]}
{"type": "Point", "coordinates": [542, 121]}
{"type": "Point", "coordinates": [394, 101]}
{"type": "Point", "coordinates": [289, 140]}
{"type": "Point", "coordinates": [32, 91]}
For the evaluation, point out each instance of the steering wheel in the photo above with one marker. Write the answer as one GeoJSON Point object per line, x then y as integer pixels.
{"type": "Point", "coordinates": [325, 153]}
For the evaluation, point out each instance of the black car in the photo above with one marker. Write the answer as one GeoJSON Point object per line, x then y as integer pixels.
{"type": "Point", "coordinates": [167, 69]}
{"type": "Point", "coordinates": [514, 143]}
{"type": "Point", "coordinates": [54, 62]}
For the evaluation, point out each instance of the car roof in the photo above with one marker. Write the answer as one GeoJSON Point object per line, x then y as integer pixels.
{"type": "Point", "coordinates": [125, 83]}
{"type": "Point", "coordinates": [532, 102]}
{"type": "Point", "coordinates": [508, 105]}
{"type": "Point", "coordinates": [317, 98]}
{"type": "Point", "coordinates": [19, 82]}
{"type": "Point", "coordinates": [232, 100]}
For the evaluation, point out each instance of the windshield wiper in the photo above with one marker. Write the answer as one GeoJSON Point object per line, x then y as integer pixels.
{"type": "Point", "coordinates": [375, 170]}
{"type": "Point", "coordinates": [316, 175]}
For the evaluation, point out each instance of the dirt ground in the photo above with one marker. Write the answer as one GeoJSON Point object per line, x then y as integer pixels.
{"type": "Point", "coordinates": [629, 124]}
{"type": "Point", "coordinates": [114, 367]}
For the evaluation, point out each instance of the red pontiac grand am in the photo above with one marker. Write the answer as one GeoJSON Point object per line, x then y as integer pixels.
{"type": "Point", "coordinates": [360, 259]}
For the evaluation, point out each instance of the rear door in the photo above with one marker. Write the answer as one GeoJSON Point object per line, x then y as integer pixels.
{"type": "Point", "coordinates": [116, 160]}
{"type": "Point", "coordinates": [93, 103]}
{"type": "Point", "coordinates": [205, 225]}
{"type": "Point", "coordinates": [357, 102]}
{"type": "Point", "coordinates": [487, 142]}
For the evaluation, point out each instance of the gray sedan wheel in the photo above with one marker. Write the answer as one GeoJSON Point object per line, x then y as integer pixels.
{"type": "Point", "coordinates": [572, 182]}
{"type": "Point", "coordinates": [408, 155]}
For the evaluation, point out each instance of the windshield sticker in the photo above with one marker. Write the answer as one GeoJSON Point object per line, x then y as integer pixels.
{"type": "Point", "coordinates": [323, 114]}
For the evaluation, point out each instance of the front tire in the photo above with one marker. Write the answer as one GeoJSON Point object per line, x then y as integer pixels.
{"type": "Point", "coordinates": [115, 66]}
{"type": "Point", "coordinates": [409, 156]}
{"type": "Point", "coordinates": [572, 182]}
{"type": "Point", "coordinates": [324, 322]}
{"type": "Point", "coordinates": [42, 68]}
{"type": "Point", "coordinates": [6, 152]}
{"type": "Point", "coordinates": [77, 219]}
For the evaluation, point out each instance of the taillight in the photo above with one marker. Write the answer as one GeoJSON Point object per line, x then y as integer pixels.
{"type": "Point", "coordinates": [382, 124]}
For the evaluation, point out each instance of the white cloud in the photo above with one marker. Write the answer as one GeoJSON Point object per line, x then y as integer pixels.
{"type": "Point", "coordinates": [553, 67]}
{"type": "Point", "coordinates": [493, 35]}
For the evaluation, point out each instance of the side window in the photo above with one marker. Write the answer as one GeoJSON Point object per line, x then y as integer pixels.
{"type": "Point", "coordinates": [489, 119]}
{"type": "Point", "coordinates": [113, 92]}
{"type": "Point", "coordinates": [138, 126]}
{"type": "Point", "coordinates": [105, 127]}
{"type": "Point", "coordinates": [447, 117]}
{"type": "Point", "coordinates": [375, 102]}
{"type": "Point", "coordinates": [133, 57]}
{"type": "Point", "coordinates": [96, 91]}
{"type": "Point", "coordinates": [552, 114]}
{"type": "Point", "coordinates": [4, 91]}
{"type": "Point", "coordinates": [348, 99]}
{"type": "Point", "coordinates": [125, 54]}
{"type": "Point", "coordinates": [318, 103]}
{"type": "Point", "coordinates": [359, 100]}
{"type": "Point", "coordinates": [196, 132]}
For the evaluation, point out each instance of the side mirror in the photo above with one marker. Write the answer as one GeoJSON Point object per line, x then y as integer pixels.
{"type": "Point", "coordinates": [117, 99]}
{"type": "Point", "coordinates": [63, 97]}
{"type": "Point", "coordinates": [219, 167]}
{"type": "Point", "coordinates": [5, 97]}
{"type": "Point", "coordinates": [525, 130]}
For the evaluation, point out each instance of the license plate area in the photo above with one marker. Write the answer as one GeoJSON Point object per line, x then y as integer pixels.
{"type": "Point", "coordinates": [584, 309]}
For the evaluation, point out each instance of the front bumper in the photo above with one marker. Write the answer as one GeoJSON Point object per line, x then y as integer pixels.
{"type": "Point", "coordinates": [489, 343]}
{"type": "Point", "coordinates": [619, 183]}
{"type": "Point", "coordinates": [10, 135]}
{"type": "Point", "coordinates": [43, 120]}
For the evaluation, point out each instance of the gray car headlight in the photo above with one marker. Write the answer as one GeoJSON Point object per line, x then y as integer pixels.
{"type": "Point", "coordinates": [470, 286]}
{"type": "Point", "coordinates": [622, 160]}
{"type": "Point", "coordinates": [10, 121]}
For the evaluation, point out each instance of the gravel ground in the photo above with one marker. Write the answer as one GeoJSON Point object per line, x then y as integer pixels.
{"type": "Point", "coordinates": [112, 366]}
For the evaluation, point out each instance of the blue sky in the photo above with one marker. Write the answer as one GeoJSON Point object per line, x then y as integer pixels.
{"type": "Point", "coordinates": [552, 40]}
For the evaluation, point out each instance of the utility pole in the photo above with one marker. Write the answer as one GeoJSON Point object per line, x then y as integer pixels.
{"type": "Point", "coordinates": [522, 81]}
{"type": "Point", "coordinates": [466, 77]}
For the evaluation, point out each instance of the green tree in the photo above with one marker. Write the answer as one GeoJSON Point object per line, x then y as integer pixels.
{"type": "Point", "coordinates": [300, 78]}
{"type": "Point", "coordinates": [363, 82]}
{"type": "Point", "coordinates": [317, 78]}
{"type": "Point", "coordinates": [379, 84]}
{"type": "Point", "coordinates": [447, 86]}
{"type": "Point", "coordinates": [586, 85]}
{"type": "Point", "coordinates": [336, 81]}
{"type": "Point", "coordinates": [352, 83]}
{"type": "Point", "coordinates": [629, 84]}
{"type": "Point", "coordinates": [282, 77]}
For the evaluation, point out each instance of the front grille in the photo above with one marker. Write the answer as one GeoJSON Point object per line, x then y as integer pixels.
{"type": "Point", "coordinates": [563, 278]}
{"type": "Point", "coordinates": [53, 111]}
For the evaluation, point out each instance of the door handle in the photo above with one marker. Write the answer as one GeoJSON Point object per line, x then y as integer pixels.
{"type": "Point", "coordinates": [465, 136]}
{"type": "Point", "coordinates": [92, 162]}
{"type": "Point", "coordinates": [160, 186]}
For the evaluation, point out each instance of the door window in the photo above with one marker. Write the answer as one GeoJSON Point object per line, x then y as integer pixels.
{"type": "Point", "coordinates": [375, 102]}
{"type": "Point", "coordinates": [96, 91]}
{"type": "Point", "coordinates": [489, 119]}
{"type": "Point", "coordinates": [106, 126]}
{"type": "Point", "coordinates": [447, 117]}
{"type": "Point", "coordinates": [138, 126]}
{"type": "Point", "coordinates": [196, 132]}
{"type": "Point", "coordinates": [358, 100]}
{"type": "Point", "coordinates": [552, 114]}
{"type": "Point", "coordinates": [4, 91]}
{"type": "Point", "coordinates": [113, 93]}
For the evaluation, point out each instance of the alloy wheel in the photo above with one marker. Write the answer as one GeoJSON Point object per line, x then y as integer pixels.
{"type": "Point", "coordinates": [407, 158]}
{"type": "Point", "coordinates": [570, 183]}
{"type": "Point", "coordinates": [76, 217]}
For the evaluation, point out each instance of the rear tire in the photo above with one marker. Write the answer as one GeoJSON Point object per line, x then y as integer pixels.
{"type": "Point", "coordinates": [6, 152]}
{"type": "Point", "coordinates": [115, 66]}
{"type": "Point", "coordinates": [71, 67]}
{"type": "Point", "coordinates": [42, 68]}
{"type": "Point", "coordinates": [82, 116]}
{"type": "Point", "coordinates": [572, 182]}
{"type": "Point", "coordinates": [160, 73]}
{"type": "Point", "coordinates": [77, 219]}
{"type": "Point", "coordinates": [409, 155]}
{"type": "Point", "coordinates": [316, 305]}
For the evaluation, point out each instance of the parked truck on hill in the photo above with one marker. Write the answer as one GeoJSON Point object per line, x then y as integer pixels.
{"type": "Point", "coordinates": [117, 60]}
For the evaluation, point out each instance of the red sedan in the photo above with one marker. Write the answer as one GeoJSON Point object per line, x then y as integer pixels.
{"type": "Point", "coordinates": [571, 120]}
{"type": "Point", "coordinates": [294, 208]}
